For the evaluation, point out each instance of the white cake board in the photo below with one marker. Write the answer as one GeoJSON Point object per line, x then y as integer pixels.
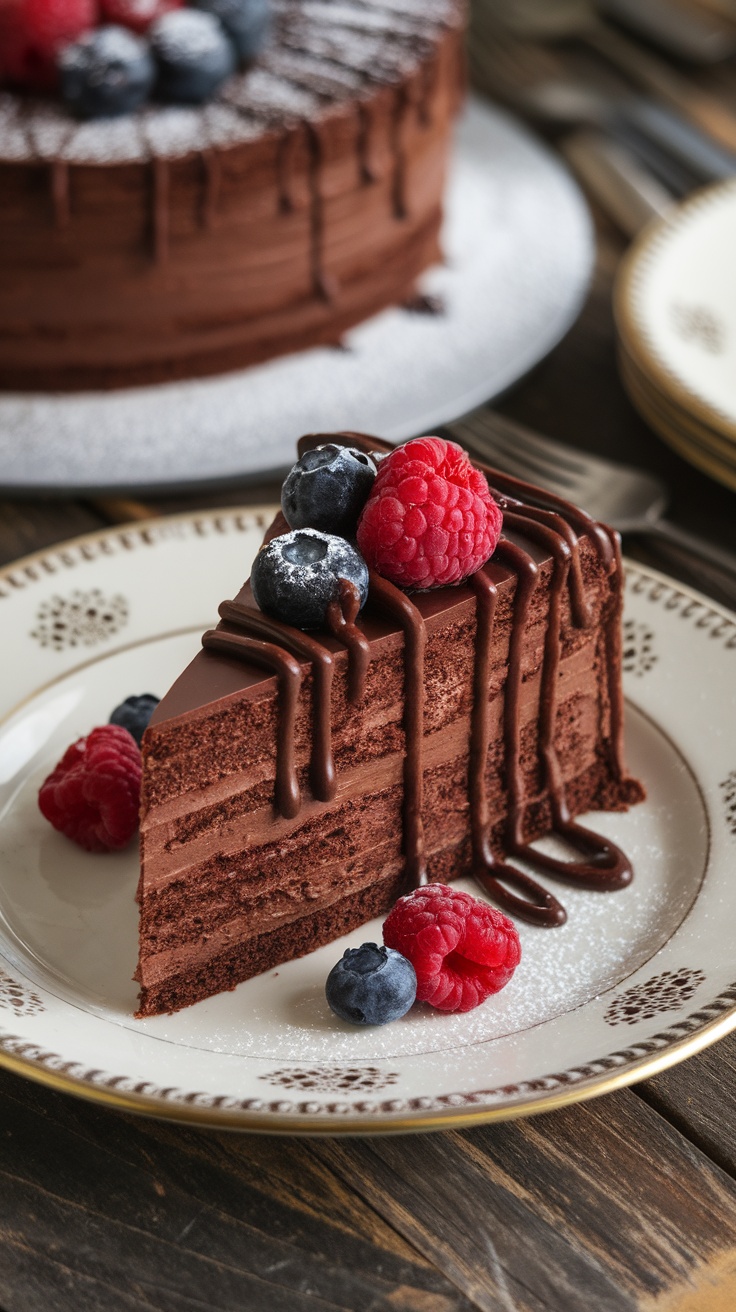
{"type": "Point", "coordinates": [519, 252]}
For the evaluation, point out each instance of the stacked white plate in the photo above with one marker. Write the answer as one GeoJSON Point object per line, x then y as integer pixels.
{"type": "Point", "coordinates": [675, 307]}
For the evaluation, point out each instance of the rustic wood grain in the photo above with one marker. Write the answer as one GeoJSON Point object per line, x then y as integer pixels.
{"type": "Point", "coordinates": [27, 526]}
{"type": "Point", "coordinates": [599, 1207]}
{"type": "Point", "coordinates": [104, 1211]}
{"type": "Point", "coordinates": [699, 1097]}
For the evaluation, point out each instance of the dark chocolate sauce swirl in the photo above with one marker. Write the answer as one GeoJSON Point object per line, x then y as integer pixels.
{"type": "Point", "coordinates": [395, 603]}
{"type": "Point", "coordinates": [255, 624]}
{"type": "Point", "coordinates": [534, 516]}
{"type": "Point", "coordinates": [341, 616]}
{"type": "Point", "coordinates": [289, 675]}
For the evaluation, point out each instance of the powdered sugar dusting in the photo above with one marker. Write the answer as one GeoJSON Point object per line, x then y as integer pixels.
{"type": "Point", "coordinates": [14, 141]}
{"type": "Point", "coordinates": [319, 52]}
{"type": "Point", "coordinates": [262, 91]}
{"type": "Point", "coordinates": [173, 131]}
{"type": "Point", "coordinates": [225, 126]}
{"type": "Point", "coordinates": [108, 141]}
{"type": "Point", "coordinates": [49, 127]}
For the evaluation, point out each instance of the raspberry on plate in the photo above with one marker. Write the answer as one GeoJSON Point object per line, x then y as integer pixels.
{"type": "Point", "coordinates": [93, 794]}
{"type": "Point", "coordinates": [430, 519]}
{"type": "Point", "coordinates": [32, 33]}
{"type": "Point", "coordinates": [462, 949]}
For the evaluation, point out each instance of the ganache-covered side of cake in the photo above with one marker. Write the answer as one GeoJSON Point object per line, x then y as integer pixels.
{"type": "Point", "coordinates": [173, 242]}
{"type": "Point", "coordinates": [293, 788]}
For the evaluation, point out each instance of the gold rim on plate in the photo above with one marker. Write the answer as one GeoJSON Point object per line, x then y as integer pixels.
{"type": "Point", "coordinates": [678, 419]}
{"type": "Point", "coordinates": [684, 446]}
{"type": "Point", "coordinates": [630, 331]}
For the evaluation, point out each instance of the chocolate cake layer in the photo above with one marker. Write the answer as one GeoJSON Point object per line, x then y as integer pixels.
{"type": "Point", "coordinates": [174, 241]}
{"type": "Point", "coordinates": [234, 880]}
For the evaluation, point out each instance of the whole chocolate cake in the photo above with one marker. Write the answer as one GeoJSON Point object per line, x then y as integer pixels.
{"type": "Point", "coordinates": [174, 241]}
{"type": "Point", "coordinates": [294, 784]}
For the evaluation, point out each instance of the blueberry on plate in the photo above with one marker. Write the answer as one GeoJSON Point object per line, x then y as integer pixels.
{"type": "Point", "coordinates": [108, 71]}
{"type": "Point", "coordinates": [194, 56]}
{"type": "Point", "coordinates": [327, 489]}
{"type": "Point", "coordinates": [134, 713]}
{"type": "Point", "coordinates": [245, 21]}
{"type": "Point", "coordinates": [296, 576]}
{"type": "Point", "coordinates": [371, 985]}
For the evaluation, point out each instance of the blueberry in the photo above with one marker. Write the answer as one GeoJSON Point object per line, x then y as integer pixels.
{"type": "Point", "coordinates": [134, 713]}
{"type": "Point", "coordinates": [107, 72]}
{"type": "Point", "coordinates": [295, 577]}
{"type": "Point", "coordinates": [371, 985]}
{"type": "Point", "coordinates": [328, 488]}
{"type": "Point", "coordinates": [193, 54]}
{"type": "Point", "coordinates": [245, 21]}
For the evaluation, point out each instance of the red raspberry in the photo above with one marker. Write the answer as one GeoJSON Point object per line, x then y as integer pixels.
{"type": "Point", "coordinates": [430, 519]}
{"type": "Point", "coordinates": [462, 949]}
{"type": "Point", "coordinates": [93, 794]}
{"type": "Point", "coordinates": [32, 32]}
{"type": "Point", "coordinates": [136, 14]}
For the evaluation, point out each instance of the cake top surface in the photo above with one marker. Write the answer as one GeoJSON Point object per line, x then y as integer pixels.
{"type": "Point", "coordinates": [211, 677]}
{"type": "Point", "coordinates": [321, 53]}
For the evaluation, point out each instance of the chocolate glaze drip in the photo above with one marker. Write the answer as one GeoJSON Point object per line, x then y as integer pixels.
{"type": "Point", "coordinates": [532, 497]}
{"type": "Point", "coordinates": [341, 617]}
{"type": "Point", "coordinates": [255, 624]}
{"type": "Point", "coordinates": [515, 512]}
{"type": "Point", "coordinates": [367, 172]}
{"type": "Point", "coordinates": [285, 170]}
{"type": "Point", "coordinates": [537, 517]}
{"type": "Point", "coordinates": [161, 210]}
{"type": "Point", "coordinates": [401, 103]}
{"type": "Point", "coordinates": [426, 93]}
{"type": "Point", "coordinates": [323, 285]}
{"type": "Point", "coordinates": [539, 906]}
{"type": "Point", "coordinates": [604, 865]}
{"type": "Point", "coordinates": [289, 675]}
{"type": "Point", "coordinates": [396, 603]}
{"type": "Point", "coordinates": [60, 196]}
{"type": "Point", "coordinates": [615, 691]}
{"type": "Point", "coordinates": [211, 184]}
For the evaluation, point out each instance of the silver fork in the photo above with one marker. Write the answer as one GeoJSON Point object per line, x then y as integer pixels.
{"type": "Point", "coordinates": [629, 499]}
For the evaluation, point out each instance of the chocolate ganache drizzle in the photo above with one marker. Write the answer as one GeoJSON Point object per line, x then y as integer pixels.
{"type": "Point", "coordinates": [533, 516]}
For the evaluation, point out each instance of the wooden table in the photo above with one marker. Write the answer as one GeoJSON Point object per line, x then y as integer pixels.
{"type": "Point", "coordinates": [626, 1202]}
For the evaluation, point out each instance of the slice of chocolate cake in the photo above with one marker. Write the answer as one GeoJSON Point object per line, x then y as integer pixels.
{"type": "Point", "coordinates": [295, 784]}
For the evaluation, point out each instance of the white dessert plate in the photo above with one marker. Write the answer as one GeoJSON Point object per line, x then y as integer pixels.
{"type": "Point", "coordinates": [634, 982]}
{"type": "Point", "coordinates": [676, 308]}
{"type": "Point", "coordinates": [519, 252]}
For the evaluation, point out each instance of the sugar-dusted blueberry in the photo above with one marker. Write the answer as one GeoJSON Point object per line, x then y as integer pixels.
{"type": "Point", "coordinates": [134, 714]}
{"type": "Point", "coordinates": [106, 72]}
{"type": "Point", "coordinates": [245, 21]}
{"type": "Point", "coordinates": [328, 488]}
{"type": "Point", "coordinates": [193, 53]}
{"type": "Point", "coordinates": [296, 576]}
{"type": "Point", "coordinates": [371, 985]}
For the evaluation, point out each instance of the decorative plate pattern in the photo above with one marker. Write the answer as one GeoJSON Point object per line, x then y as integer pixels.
{"type": "Point", "coordinates": [670, 991]}
{"type": "Point", "coordinates": [675, 306]}
{"type": "Point", "coordinates": [269, 1055]}
{"type": "Point", "coordinates": [82, 619]}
